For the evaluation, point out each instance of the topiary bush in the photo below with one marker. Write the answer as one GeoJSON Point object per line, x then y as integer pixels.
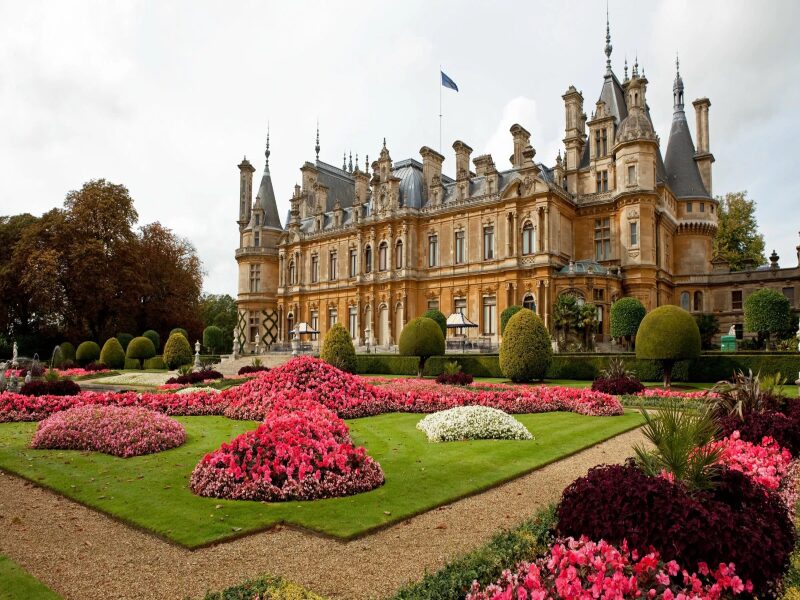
{"type": "Point", "coordinates": [131, 363]}
{"type": "Point", "coordinates": [180, 330]}
{"type": "Point", "coordinates": [212, 338]}
{"type": "Point", "coordinates": [153, 337]}
{"type": "Point", "coordinates": [124, 339]}
{"type": "Point", "coordinates": [177, 351]}
{"type": "Point", "coordinates": [668, 334]}
{"type": "Point", "coordinates": [421, 337]}
{"type": "Point", "coordinates": [626, 316]}
{"type": "Point", "coordinates": [140, 348]}
{"type": "Point", "coordinates": [526, 350]}
{"type": "Point", "coordinates": [66, 354]}
{"type": "Point", "coordinates": [112, 355]}
{"type": "Point", "coordinates": [506, 315]}
{"type": "Point", "coordinates": [87, 352]}
{"type": "Point", "coordinates": [338, 349]}
{"type": "Point", "coordinates": [440, 319]}
{"type": "Point", "coordinates": [767, 312]}
{"type": "Point", "coordinates": [155, 363]}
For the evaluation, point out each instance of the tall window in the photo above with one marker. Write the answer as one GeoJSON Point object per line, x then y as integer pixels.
{"type": "Point", "coordinates": [314, 323]}
{"type": "Point", "coordinates": [489, 314]}
{"type": "Point", "coordinates": [257, 239]}
{"type": "Point", "coordinates": [433, 250]}
{"type": "Point", "coordinates": [631, 174]}
{"type": "Point", "coordinates": [634, 233]}
{"type": "Point", "coordinates": [685, 300]}
{"type": "Point", "coordinates": [383, 253]}
{"type": "Point", "coordinates": [353, 263]}
{"type": "Point", "coordinates": [255, 321]}
{"type": "Point", "coordinates": [702, 207]}
{"type": "Point", "coordinates": [333, 317]}
{"type": "Point", "coordinates": [736, 300]}
{"type": "Point", "coordinates": [601, 180]}
{"type": "Point", "coordinates": [292, 273]}
{"type": "Point", "coordinates": [459, 249]}
{"type": "Point", "coordinates": [368, 259]}
{"type": "Point", "coordinates": [258, 220]}
{"type": "Point", "coordinates": [527, 238]}
{"type": "Point", "coordinates": [353, 322]}
{"type": "Point", "coordinates": [602, 238]}
{"type": "Point", "coordinates": [398, 254]}
{"type": "Point", "coordinates": [332, 266]}
{"type": "Point", "coordinates": [601, 142]}
{"type": "Point", "coordinates": [698, 301]}
{"type": "Point", "coordinates": [689, 207]}
{"type": "Point", "coordinates": [255, 278]}
{"type": "Point", "coordinates": [488, 243]}
{"type": "Point", "coordinates": [314, 268]}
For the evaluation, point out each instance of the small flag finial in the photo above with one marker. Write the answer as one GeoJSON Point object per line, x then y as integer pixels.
{"type": "Point", "coordinates": [609, 47]}
{"type": "Point", "coordinates": [266, 152]}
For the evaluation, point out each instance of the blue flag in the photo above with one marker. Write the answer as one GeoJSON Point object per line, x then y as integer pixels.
{"type": "Point", "coordinates": [447, 82]}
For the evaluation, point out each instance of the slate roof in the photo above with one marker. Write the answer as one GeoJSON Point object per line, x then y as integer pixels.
{"type": "Point", "coordinates": [266, 200]}
{"type": "Point", "coordinates": [683, 176]}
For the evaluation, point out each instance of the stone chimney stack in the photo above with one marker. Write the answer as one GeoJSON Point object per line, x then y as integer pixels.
{"type": "Point", "coordinates": [463, 153]}
{"type": "Point", "coordinates": [246, 171]}
{"type": "Point", "coordinates": [522, 139]}
{"type": "Point", "coordinates": [484, 164]}
{"type": "Point", "coordinates": [703, 155]}
{"type": "Point", "coordinates": [431, 167]}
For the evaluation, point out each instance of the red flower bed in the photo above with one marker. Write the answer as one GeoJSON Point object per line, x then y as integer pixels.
{"type": "Point", "coordinates": [302, 451]}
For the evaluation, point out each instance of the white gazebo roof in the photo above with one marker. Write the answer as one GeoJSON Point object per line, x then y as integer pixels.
{"type": "Point", "coordinates": [458, 320]}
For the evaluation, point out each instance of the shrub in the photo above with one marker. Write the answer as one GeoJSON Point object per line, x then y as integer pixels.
{"type": "Point", "coordinates": [131, 363]}
{"type": "Point", "coordinates": [626, 316]}
{"type": "Point", "coordinates": [265, 588]}
{"type": "Point", "coordinates": [94, 367]}
{"type": "Point", "coordinates": [87, 352]}
{"type": "Point", "coordinates": [153, 337]}
{"type": "Point", "coordinates": [737, 522]}
{"type": "Point", "coordinates": [618, 386]}
{"type": "Point", "coordinates": [66, 353]}
{"type": "Point", "coordinates": [212, 338]}
{"type": "Point", "coordinates": [439, 318]}
{"type": "Point", "coordinates": [155, 363]}
{"type": "Point", "coordinates": [767, 312]}
{"type": "Point", "coordinates": [389, 364]}
{"type": "Point", "coordinates": [124, 339]}
{"type": "Point", "coordinates": [421, 337]}
{"type": "Point", "coordinates": [139, 349]}
{"type": "Point", "coordinates": [59, 387]}
{"type": "Point", "coordinates": [195, 377]}
{"type": "Point", "coordinates": [180, 330]}
{"type": "Point", "coordinates": [112, 355]}
{"type": "Point", "coordinates": [668, 334]}
{"type": "Point", "coordinates": [250, 369]}
{"type": "Point", "coordinates": [742, 396]}
{"type": "Point", "coordinates": [472, 423]}
{"type": "Point", "coordinates": [453, 375]}
{"type": "Point", "coordinates": [708, 326]}
{"type": "Point", "coordinates": [177, 351]}
{"type": "Point", "coordinates": [526, 350]}
{"type": "Point", "coordinates": [477, 365]}
{"type": "Point", "coordinates": [506, 315]}
{"type": "Point", "coordinates": [338, 349]}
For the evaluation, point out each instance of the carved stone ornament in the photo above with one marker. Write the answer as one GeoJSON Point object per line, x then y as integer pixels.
{"type": "Point", "coordinates": [633, 213]}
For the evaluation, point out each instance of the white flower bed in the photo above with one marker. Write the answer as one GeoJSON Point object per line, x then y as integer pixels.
{"type": "Point", "coordinates": [472, 423]}
{"type": "Point", "coordinates": [192, 390]}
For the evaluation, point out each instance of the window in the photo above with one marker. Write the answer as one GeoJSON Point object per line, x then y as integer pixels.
{"type": "Point", "coordinates": [601, 142]}
{"type": "Point", "coordinates": [290, 326]}
{"type": "Point", "coordinates": [459, 249]}
{"type": "Point", "coordinates": [631, 174]}
{"type": "Point", "coordinates": [257, 239]}
{"type": "Point", "coordinates": [460, 307]}
{"type": "Point", "coordinates": [368, 259]}
{"type": "Point", "coordinates": [688, 207]}
{"type": "Point", "coordinates": [599, 319]}
{"type": "Point", "coordinates": [698, 302]}
{"type": "Point", "coordinates": [398, 255]}
{"type": "Point", "coordinates": [634, 233]}
{"type": "Point", "coordinates": [314, 268]}
{"type": "Point", "coordinates": [789, 293]}
{"type": "Point", "coordinates": [383, 253]}
{"type": "Point", "coordinates": [433, 305]}
{"type": "Point", "coordinates": [527, 238]}
{"type": "Point", "coordinates": [258, 220]}
{"type": "Point", "coordinates": [333, 317]}
{"type": "Point", "coordinates": [353, 263]}
{"type": "Point", "coordinates": [685, 300]}
{"type": "Point", "coordinates": [736, 300]}
{"type": "Point", "coordinates": [353, 322]}
{"type": "Point", "coordinates": [702, 207]}
{"type": "Point", "coordinates": [488, 243]}
{"type": "Point", "coordinates": [433, 250]}
{"type": "Point", "coordinates": [332, 266]}
{"type": "Point", "coordinates": [529, 303]}
{"type": "Point", "coordinates": [292, 273]}
{"type": "Point", "coordinates": [489, 313]}
{"type": "Point", "coordinates": [314, 323]}
{"type": "Point", "coordinates": [602, 238]}
{"type": "Point", "coordinates": [598, 295]}
{"type": "Point", "coordinates": [255, 278]}
{"type": "Point", "coordinates": [602, 181]}
{"type": "Point", "coordinates": [255, 321]}
{"type": "Point", "coordinates": [738, 329]}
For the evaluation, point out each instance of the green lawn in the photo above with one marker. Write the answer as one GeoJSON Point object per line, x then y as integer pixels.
{"type": "Point", "coordinates": [17, 584]}
{"type": "Point", "coordinates": [152, 491]}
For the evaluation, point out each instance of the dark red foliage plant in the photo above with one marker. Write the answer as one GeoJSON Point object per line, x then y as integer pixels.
{"type": "Point", "coordinates": [249, 369]}
{"type": "Point", "coordinates": [95, 366]}
{"type": "Point", "coordinates": [459, 378]}
{"type": "Point", "coordinates": [196, 377]}
{"type": "Point", "coordinates": [60, 387]}
{"type": "Point", "coordinates": [617, 386]}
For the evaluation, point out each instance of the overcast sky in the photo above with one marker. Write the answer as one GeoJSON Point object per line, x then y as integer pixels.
{"type": "Point", "coordinates": [166, 97]}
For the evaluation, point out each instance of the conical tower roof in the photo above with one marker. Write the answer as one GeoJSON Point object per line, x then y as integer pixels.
{"type": "Point", "coordinates": [266, 196]}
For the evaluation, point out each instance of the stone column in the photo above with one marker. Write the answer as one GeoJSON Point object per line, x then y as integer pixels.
{"type": "Point", "coordinates": [546, 308]}
{"type": "Point", "coordinates": [547, 229]}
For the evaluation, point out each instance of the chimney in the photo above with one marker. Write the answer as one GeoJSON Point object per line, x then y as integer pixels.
{"type": "Point", "coordinates": [431, 167]}
{"type": "Point", "coordinates": [484, 164]}
{"type": "Point", "coordinates": [522, 138]}
{"type": "Point", "coordinates": [703, 156]}
{"type": "Point", "coordinates": [246, 171]}
{"type": "Point", "coordinates": [462, 159]}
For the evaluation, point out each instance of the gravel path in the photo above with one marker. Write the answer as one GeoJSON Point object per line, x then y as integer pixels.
{"type": "Point", "coordinates": [85, 555]}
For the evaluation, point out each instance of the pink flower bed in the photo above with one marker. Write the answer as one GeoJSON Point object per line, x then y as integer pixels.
{"type": "Point", "coordinates": [78, 372]}
{"type": "Point", "coordinates": [586, 570]}
{"type": "Point", "coordinates": [302, 451]}
{"type": "Point", "coordinates": [677, 395]}
{"type": "Point", "coordinates": [121, 431]}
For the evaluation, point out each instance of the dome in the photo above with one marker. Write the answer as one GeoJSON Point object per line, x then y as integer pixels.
{"type": "Point", "coordinates": [636, 126]}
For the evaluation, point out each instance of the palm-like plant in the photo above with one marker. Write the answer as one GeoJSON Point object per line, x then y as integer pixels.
{"type": "Point", "coordinates": [682, 446]}
{"type": "Point", "coordinates": [565, 313]}
{"type": "Point", "coordinates": [741, 396]}
{"type": "Point", "coordinates": [616, 369]}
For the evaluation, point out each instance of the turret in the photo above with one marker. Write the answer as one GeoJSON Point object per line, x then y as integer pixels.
{"type": "Point", "coordinates": [246, 171]}
{"type": "Point", "coordinates": [574, 135]}
{"type": "Point", "coordinates": [703, 157]}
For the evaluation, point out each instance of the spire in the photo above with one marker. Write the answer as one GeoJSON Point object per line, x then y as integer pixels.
{"type": "Point", "coordinates": [344, 161]}
{"type": "Point", "coordinates": [677, 87]}
{"type": "Point", "coordinates": [356, 161]}
{"type": "Point", "coordinates": [350, 163]}
{"type": "Point", "coordinates": [265, 199]}
{"type": "Point", "coordinates": [609, 47]}
{"type": "Point", "coordinates": [636, 66]}
{"type": "Point", "coordinates": [266, 152]}
{"type": "Point", "coordinates": [316, 148]}
{"type": "Point", "coordinates": [366, 164]}
{"type": "Point", "coordinates": [626, 69]}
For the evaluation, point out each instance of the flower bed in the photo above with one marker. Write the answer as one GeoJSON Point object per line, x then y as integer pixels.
{"type": "Point", "coordinates": [79, 372]}
{"type": "Point", "coordinates": [59, 387]}
{"type": "Point", "coordinates": [121, 431]}
{"type": "Point", "coordinates": [472, 423]}
{"type": "Point", "coordinates": [195, 377]}
{"type": "Point", "coordinates": [302, 451]}
{"type": "Point", "coordinates": [584, 569]}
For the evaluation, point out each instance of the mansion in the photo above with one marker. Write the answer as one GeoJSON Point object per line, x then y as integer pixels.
{"type": "Point", "coordinates": [373, 247]}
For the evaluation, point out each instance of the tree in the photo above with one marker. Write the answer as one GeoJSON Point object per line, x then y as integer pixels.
{"type": "Point", "coordinates": [87, 352]}
{"type": "Point", "coordinates": [439, 318]}
{"type": "Point", "coordinates": [421, 337]}
{"type": "Point", "coordinates": [153, 337]}
{"type": "Point", "coordinates": [338, 349]}
{"type": "Point", "coordinates": [738, 240]}
{"type": "Point", "coordinates": [140, 349]}
{"type": "Point", "coordinates": [767, 312]}
{"type": "Point", "coordinates": [587, 323]}
{"type": "Point", "coordinates": [526, 350]}
{"type": "Point", "coordinates": [220, 310]}
{"type": "Point", "coordinates": [212, 338]}
{"type": "Point", "coordinates": [566, 314]}
{"type": "Point", "coordinates": [507, 314]}
{"type": "Point", "coordinates": [112, 355]}
{"type": "Point", "coordinates": [668, 334]}
{"type": "Point", "coordinates": [709, 326]}
{"type": "Point", "coordinates": [177, 351]}
{"type": "Point", "coordinates": [626, 316]}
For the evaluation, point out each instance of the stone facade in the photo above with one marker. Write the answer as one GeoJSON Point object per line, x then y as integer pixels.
{"type": "Point", "coordinates": [376, 247]}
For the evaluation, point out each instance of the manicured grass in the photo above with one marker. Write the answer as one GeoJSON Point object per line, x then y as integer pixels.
{"type": "Point", "coordinates": [152, 491]}
{"type": "Point", "coordinates": [17, 584]}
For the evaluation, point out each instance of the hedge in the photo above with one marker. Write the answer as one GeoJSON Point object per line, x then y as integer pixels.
{"type": "Point", "coordinates": [388, 364]}
{"type": "Point", "coordinates": [132, 363]}
{"type": "Point", "coordinates": [477, 365]}
{"type": "Point", "coordinates": [155, 363]}
{"type": "Point", "coordinates": [268, 588]}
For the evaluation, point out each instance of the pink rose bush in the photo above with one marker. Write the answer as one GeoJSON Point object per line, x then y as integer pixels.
{"type": "Point", "coordinates": [302, 451]}
{"type": "Point", "coordinates": [120, 431]}
{"type": "Point", "coordinates": [587, 570]}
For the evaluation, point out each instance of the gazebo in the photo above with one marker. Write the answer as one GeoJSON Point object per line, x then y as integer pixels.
{"type": "Point", "coordinates": [459, 321]}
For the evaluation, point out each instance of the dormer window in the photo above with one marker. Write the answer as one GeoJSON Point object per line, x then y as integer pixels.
{"type": "Point", "coordinates": [601, 142]}
{"type": "Point", "coordinates": [257, 239]}
{"type": "Point", "coordinates": [258, 220]}
{"type": "Point", "coordinates": [631, 174]}
{"type": "Point", "coordinates": [602, 181]}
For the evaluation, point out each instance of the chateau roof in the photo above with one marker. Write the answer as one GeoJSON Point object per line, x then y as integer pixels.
{"type": "Point", "coordinates": [683, 176]}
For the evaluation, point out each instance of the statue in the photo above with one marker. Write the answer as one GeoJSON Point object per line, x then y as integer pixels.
{"type": "Point", "coordinates": [732, 330]}
{"type": "Point", "coordinates": [14, 354]}
{"type": "Point", "coordinates": [197, 364]}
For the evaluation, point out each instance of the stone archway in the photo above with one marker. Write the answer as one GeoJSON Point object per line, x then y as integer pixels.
{"type": "Point", "coordinates": [399, 318]}
{"type": "Point", "coordinates": [384, 332]}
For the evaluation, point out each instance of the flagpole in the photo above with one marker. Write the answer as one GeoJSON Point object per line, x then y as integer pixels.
{"type": "Point", "coordinates": [440, 109]}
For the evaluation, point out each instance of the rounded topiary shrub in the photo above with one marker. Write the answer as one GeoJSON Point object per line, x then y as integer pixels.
{"type": "Point", "coordinates": [87, 352]}
{"type": "Point", "coordinates": [180, 330]}
{"type": "Point", "coordinates": [153, 337]}
{"type": "Point", "coordinates": [668, 334]}
{"type": "Point", "coordinates": [140, 348]}
{"type": "Point", "coordinates": [439, 318]}
{"type": "Point", "coordinates": [421, 337]}
{"type": "Point", "coordinates": [507, 314]}
{"type": "Point", "coordinates": [66, 354]}
{"type": "Point", "coordinates": [124, 340]}
{"type": "Point", "coordinates": [112, 355]}
{"type": "Point", "coordinates": [338, 349]}
{"type": "Point", "coordinates": [212, 338]}
{"type": "Point", "coordinates": [626, 316]}
{"type": "Point", "coordinates": [767, 312]}
{"type": "Point", "coordinates": [526, 350]}
{"type": "Point", "coordinates": [177, 351]}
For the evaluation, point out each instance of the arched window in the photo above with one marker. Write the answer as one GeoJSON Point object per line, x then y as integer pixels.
{"type": "Point", "coordinates": [685, 300]}
{"type": "Point", "coordinates": [398, 254]}
{"type": "Point", "coordinates": [529, 302]}
{"type": "Point", "coordinates": [383, 252]}
{"type": "Point", "coordinates": [292, 273]}
{"type": "Point", "coordinates": [290, 326]}
{"type": "Point", "coordinates": [698, 301]}
{"type": "Point", "coordinates": [368, 259]}
{"type": "Point", "coordinates": [528, 238]}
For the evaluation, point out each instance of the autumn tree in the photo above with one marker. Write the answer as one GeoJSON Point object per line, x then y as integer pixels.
{"type": "Point", "coordinates": [738, 240]}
